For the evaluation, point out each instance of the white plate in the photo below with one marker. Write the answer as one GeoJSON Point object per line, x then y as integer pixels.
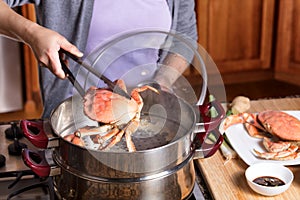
{"type": "Point", "coordinates": [244, 144]}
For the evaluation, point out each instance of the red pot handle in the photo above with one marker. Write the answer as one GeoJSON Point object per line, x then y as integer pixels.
{"type": "Point", "coordinates": [37, 162]}
{"type": "Point", "coordinates": [203, 149]}
{"type": "Point", "coordinates": [34, 132]}
{"type": "Point", "coordinates": [211, 123]}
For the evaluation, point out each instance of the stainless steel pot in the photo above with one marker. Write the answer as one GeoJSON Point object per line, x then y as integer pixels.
{"type": "Point", "coordinates": [162, 171]}
{"type": "Point", "coordinates": [162, 167]}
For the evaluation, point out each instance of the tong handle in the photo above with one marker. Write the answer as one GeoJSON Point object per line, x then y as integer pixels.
{"type": "Point", "coordinates": [106, 80]}
{"type": "Point", "coordinates": [71, 78]}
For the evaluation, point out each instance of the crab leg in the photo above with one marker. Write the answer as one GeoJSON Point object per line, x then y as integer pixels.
{"type": "Point", "coordinates": [107, 136]}
{"type": "Point", "coordinates": [275, 146]}
{"type": "Point", "coordinates": [117, 138]}
{"type": "Point", "coordinates": [290, 153]}
{"type": "Point", "coordinates": [231, 120]}
{"type": "Point", "coordinates": [118, 134]}
{"type": "Point", "coordinates": [130, 129]}
{"type": "Point", "coordinates": [75, 138]}
{"type": "Point", "coordinates": [292, 156]}
{"type": "Point", "coordinates": [253, 131]}
{"type": "Point", "coordinates": [249, 120]}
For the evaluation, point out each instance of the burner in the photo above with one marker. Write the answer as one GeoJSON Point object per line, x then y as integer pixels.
{"type": "Point", "coordinates": [13, 132]}
{"type": "Point", "coordinates": [2, 160]}
{"type": "Point", "coordinates": [46, 185]}
{"type": "Point", "coordinates": [16, 147]}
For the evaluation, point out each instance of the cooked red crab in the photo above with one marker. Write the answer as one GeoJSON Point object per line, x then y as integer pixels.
{"type": "Point", "coordinates": [110, 108]}
{"type": "Point", "coordinates": [278, 150]}
{"type": "Point", "coordinates": [276, 124]}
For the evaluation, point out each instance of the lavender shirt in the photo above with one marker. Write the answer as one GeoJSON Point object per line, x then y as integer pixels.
{"type": "Point", "coordinates": [111, 19]}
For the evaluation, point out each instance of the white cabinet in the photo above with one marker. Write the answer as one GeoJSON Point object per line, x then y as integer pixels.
{"type": "Point", "coordinates": [10, 76]}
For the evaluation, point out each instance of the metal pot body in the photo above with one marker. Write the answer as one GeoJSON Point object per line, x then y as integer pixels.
{"type": "Point", "coordinates": [176, 184]}
{"type": "Point", "coordinates": [175, 137]}
{"type": "Point", "coordinates": [163, 172]}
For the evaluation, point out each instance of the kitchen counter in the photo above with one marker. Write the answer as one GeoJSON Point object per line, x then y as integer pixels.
{"type": "Point", "coordinates": [228, 181]}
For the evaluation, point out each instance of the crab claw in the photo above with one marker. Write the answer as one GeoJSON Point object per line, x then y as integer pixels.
{"type": "Point", "coordinates": [74, 138]}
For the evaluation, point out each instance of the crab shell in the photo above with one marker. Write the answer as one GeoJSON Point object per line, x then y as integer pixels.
{"type": "Point", "coordinates": [108, 107]}
{"type": "Point", "coordinates": [280, 124]}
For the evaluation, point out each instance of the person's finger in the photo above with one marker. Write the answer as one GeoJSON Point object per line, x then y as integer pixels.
{"type": "Point", "coordinates": [56, 66]}
{"type": "Point", "coordinates": [66, 45]}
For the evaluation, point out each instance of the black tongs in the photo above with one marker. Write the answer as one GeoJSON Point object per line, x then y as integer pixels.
{"type": "Point", "coordinates": [113, 86]}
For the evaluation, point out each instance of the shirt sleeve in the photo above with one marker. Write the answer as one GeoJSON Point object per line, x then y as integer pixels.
{"type": "Point", "coordinates": [186, 19]}
{"type": "Point", "coordinates": [184, 27]}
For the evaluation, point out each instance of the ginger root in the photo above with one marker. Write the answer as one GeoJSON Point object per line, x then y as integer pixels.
{"type": "Point", "coordinates": [240, 104]}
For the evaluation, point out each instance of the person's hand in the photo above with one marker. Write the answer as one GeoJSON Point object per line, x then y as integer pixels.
{"type": "Point", "coordinates": [45, 44]}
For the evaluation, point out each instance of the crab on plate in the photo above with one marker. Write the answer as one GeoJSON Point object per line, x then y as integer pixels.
{"type": "Point", "coordinates": [120, 114]}
{"type": "Point", "coordinates": [280, 132]}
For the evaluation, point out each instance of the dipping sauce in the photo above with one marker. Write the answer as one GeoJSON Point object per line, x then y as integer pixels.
{"type": "Point", "coordinates": [268, 181]}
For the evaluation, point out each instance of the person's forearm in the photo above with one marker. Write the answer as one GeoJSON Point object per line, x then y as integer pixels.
{"type": "Point", "coordinates": [171, 69]}
{"type": "Point", "coordinates": [14, 25]}
{"type": "Point", "coordinates": [44, 42]}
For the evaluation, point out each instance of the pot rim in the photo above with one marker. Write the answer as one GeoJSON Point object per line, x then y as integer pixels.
{"type": "Point", "coordinates": [194, 112]}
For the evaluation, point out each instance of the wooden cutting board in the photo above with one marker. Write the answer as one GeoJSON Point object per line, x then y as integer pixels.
{"type": "Point", "coordinates": [228, 181]}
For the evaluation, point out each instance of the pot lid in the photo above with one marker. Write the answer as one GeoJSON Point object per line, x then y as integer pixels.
{"type": "Point", "coordinates": [152, 57]}
{"type": "Point", "coordinates": [149, 56]}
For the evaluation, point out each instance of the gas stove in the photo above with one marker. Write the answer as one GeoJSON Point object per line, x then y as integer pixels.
{"type": "Point", "coordinates": [17, 181]}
